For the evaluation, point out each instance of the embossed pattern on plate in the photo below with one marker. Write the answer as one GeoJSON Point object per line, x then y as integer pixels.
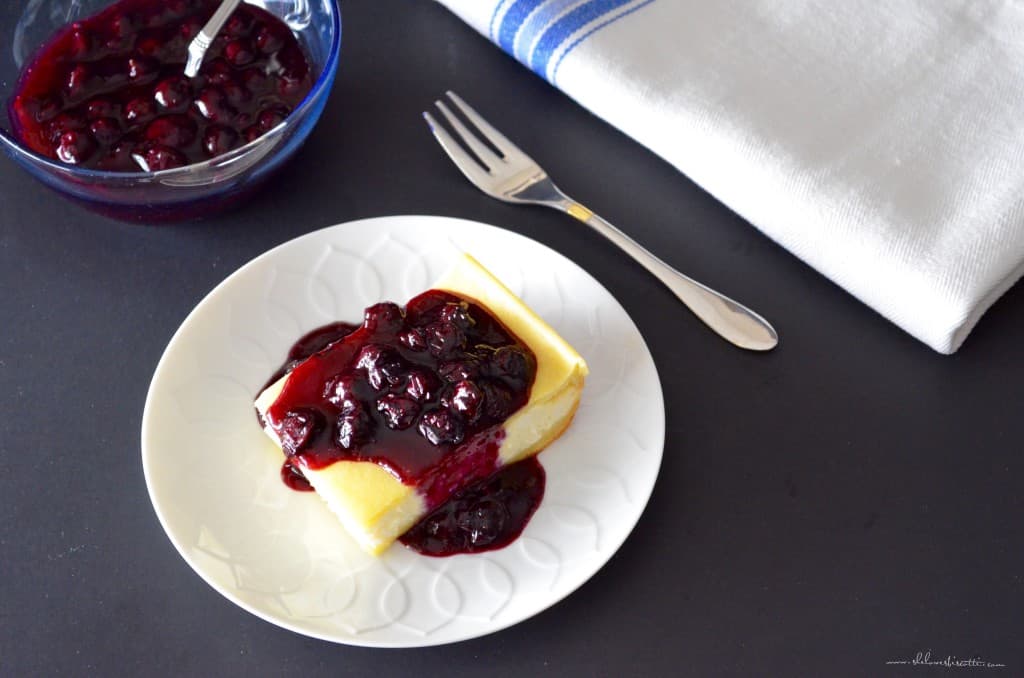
{"type": "Point", "coordinates": [213, 476]}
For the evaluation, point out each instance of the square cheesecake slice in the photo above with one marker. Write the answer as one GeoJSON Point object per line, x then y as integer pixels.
{"type": "Point", "coordinates": [390, 421]}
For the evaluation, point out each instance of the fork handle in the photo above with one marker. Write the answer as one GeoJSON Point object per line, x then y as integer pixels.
{"type": "Point", "coordinates": [730, 319]}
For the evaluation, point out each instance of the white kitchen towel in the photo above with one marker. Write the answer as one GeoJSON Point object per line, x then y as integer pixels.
{"type": "Point", "coordinates": [880, 142]}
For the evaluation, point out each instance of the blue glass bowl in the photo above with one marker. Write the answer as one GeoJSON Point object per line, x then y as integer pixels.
{"type": "Point", "coordinates": [185, 192]}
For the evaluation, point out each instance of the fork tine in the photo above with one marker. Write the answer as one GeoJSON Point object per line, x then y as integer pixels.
{"type": "Point", "coordinates": [463, 160]}
{"type": "Point", "coordinates": [486, 155]}
{"type": "Point", "coordinates": [499, 140]}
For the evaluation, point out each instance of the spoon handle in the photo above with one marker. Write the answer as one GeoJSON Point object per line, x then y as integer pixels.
{"type": "Point", "coordinates": [197, 48]}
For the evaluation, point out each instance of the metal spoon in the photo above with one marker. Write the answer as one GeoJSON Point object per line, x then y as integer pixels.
{"type": "Point", "coordinates": [197, 48]}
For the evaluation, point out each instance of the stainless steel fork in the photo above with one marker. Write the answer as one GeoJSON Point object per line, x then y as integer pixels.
{"type": "Point", "coordinates": [514, 177]}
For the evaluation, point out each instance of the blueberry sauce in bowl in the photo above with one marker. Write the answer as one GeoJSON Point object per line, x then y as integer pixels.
{"type": "Point", "coordinates": [99, 108]}
{"type": "Point", "coordinates": [423, 392]}
{"type": "Point", "coordinates": [108, 92]}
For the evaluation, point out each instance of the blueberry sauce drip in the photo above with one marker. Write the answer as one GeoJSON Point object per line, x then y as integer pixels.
{"type": "Point", "coordinates": [109, 92]}
{"type": "Point", "coordinates": [311, 343]}
{"type": "Point", "coordinates": [422, 391]}
{"type": "Point", "coordinates": [488, 515]}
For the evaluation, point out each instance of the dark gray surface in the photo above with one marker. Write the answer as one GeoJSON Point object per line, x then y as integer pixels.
{"type": "Point", "coordinates": [849, 499]}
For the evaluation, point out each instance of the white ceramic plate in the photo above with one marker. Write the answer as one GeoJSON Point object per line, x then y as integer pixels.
{"type": "Point", "coordinates": [213, 475]}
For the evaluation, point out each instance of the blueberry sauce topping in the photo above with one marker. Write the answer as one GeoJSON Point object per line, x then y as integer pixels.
{"type": "Point", "coordinates": [422, 391]}
{"type": "Point", "coordinates": [109, 92]}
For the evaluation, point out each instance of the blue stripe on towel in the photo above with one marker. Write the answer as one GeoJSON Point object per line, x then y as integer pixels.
{"type": "Point", "coordinates": [513, 19]}
{"type": "Point", "coordinates": [548, 25]}
{"type": "Point", "coordinates": [535, 24]}
{"type": "Point", "coordinates": [494, 17]}
{"type": "Point", "coordinates": [563, 29]}
{"type": "Point", "coordinates": [554, 70]}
